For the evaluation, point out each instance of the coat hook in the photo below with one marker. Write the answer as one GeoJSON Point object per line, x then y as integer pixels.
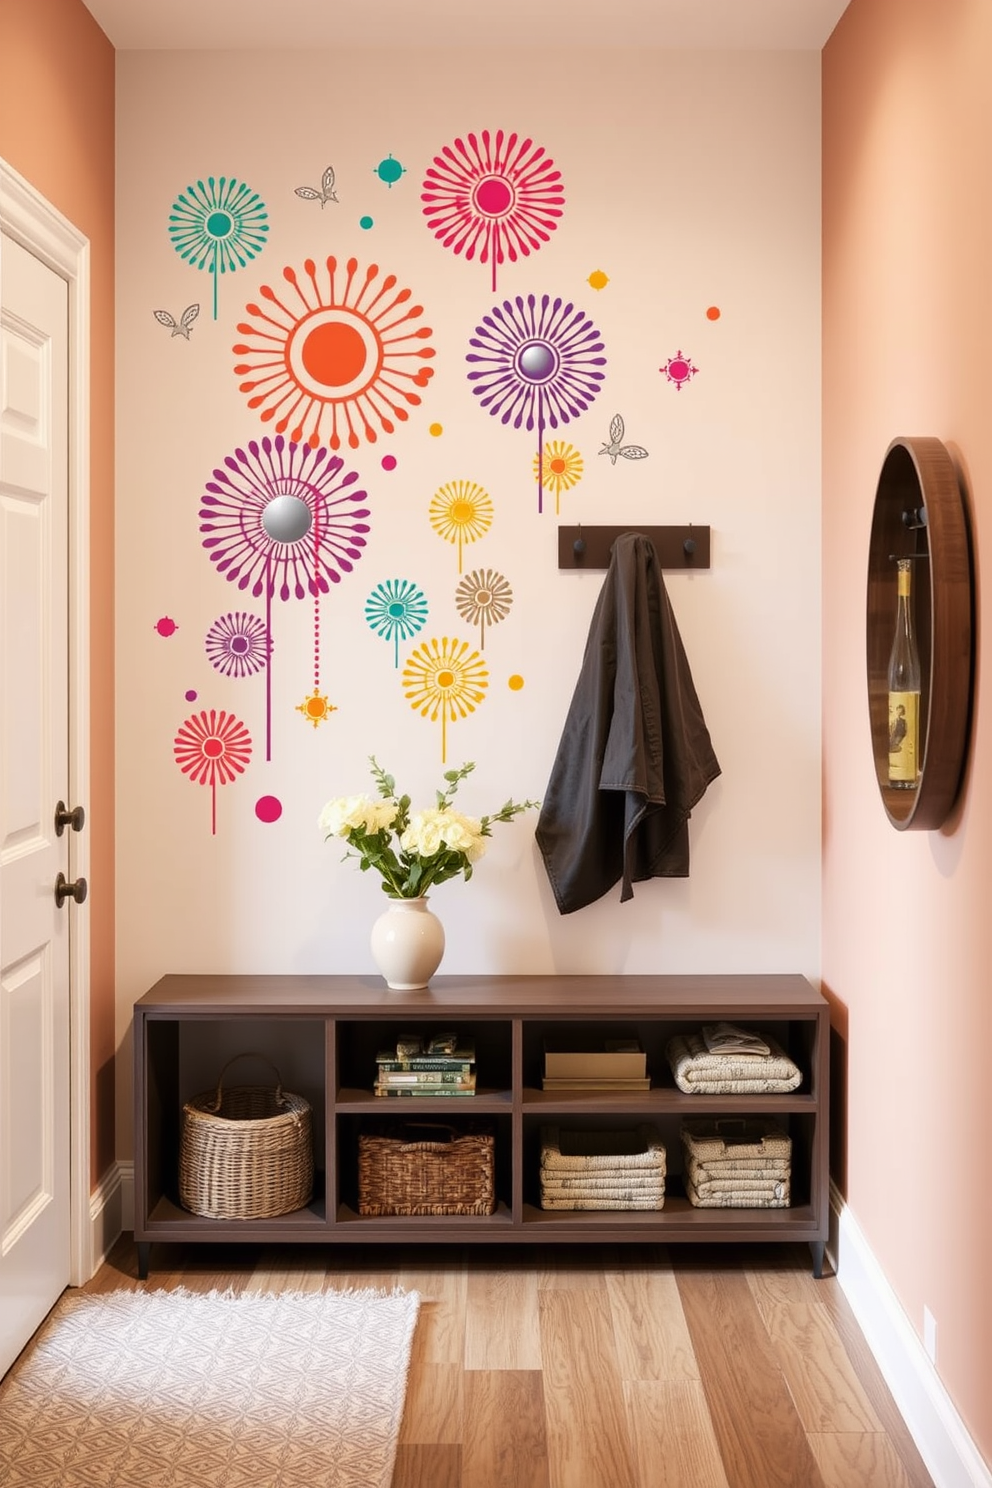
{"type": "Point", "coordinates": [579, 545]}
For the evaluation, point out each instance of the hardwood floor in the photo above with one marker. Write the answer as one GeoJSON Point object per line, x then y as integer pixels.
{"type": "Point", "coordinates": [604, 1367]}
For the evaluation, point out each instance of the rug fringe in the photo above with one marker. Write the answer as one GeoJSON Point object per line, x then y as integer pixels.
{"type": "Point", "coordinates": [230, 1294]}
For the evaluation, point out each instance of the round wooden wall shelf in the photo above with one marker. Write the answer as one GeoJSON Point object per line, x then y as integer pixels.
{"type": "Point", "coordinates": [920, 513]}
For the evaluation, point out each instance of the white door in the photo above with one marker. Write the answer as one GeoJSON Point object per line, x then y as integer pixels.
{"type": "Point", "coordinates": [34, 765]}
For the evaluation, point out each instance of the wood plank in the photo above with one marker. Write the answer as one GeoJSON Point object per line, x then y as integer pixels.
{"type": "Point", "coordinates": [505, 1437]}
{"type": "Point", "coordinates": [502, 1328]}
{"type": "Point", "coordinates": [583, 1392]}
{"type": "Point", "coordinates": [289, 1269]}
{"type": "Point", "coordinates": [873, 1383]}
{"type": "Point", "coordinates": [579, 1267]}
{"type": "Point", "coordinates": [652, 1336]}
{"type": "Point", "coordinates": [760, 1436]}
{"type": "Point", "coordinates": [673, 1439]}
{"type": "Point", "coordinates": [857, 1459]}
{"type": "Point", "coordinates": [433, 1411]}
{"type": "Point", "coordinates": [440, 1336]}
{"type": "Point", "coordinates": [421, 1466]}
{"type": "Point", "coordinates": [819, 1374]}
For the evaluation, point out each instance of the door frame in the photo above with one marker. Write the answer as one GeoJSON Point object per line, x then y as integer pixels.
{"type": "Point", "coordinates": [31, 220]}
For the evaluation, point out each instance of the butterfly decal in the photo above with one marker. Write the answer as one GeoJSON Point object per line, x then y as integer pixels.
{"type": "Point", "coordinates": [617, 447]}
{"type": "Point", "coordinates": [326, 192]}
{"type": "Point", "coordinates": [180, 327]}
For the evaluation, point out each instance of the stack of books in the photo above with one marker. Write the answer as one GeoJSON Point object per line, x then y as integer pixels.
{"type": "Point", "coordinates": [619, 1064]}
{"type": "Point", "coordinates": [436, 1066]}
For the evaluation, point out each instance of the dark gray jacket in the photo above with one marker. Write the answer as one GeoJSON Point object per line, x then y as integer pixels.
{"type": "Point", "coordinates": [635, 755]}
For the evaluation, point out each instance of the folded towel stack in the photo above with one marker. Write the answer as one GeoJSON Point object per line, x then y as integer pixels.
{"type": "Point", "coordinates": [696, 1070]}
{"type": "Point", "coordinates": [737, 1164]}
{"type": "Point", "coordinates": [602, 1170]}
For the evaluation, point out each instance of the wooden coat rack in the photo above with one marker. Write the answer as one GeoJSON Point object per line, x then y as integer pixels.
{"type": "Point", "coordinates": [677, 547]}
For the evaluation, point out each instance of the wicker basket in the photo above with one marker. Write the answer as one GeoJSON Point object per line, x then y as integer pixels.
{"type": "Point", "coordinates": [246, 1152]}
{"type": "Point", "coordinates": [427, 1167]}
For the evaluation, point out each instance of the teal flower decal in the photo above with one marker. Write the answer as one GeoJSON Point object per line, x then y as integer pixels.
{"type": "Point", "coordinates": [218, 225]}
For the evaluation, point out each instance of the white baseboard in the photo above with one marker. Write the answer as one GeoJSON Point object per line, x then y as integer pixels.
{"type": "Point", "coordinates": [106, 1213]}
{"type": "Point", "coordinates": [950, 1455]}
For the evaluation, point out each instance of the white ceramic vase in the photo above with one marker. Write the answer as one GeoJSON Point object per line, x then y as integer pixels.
{"type": "Point", "coordinates": [407, 944]}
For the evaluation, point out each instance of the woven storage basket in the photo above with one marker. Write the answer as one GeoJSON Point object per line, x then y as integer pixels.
{"type": "Point", "coordinates": [246, 1152]}
{"type": "Point", "coordinates": [427, 1167]}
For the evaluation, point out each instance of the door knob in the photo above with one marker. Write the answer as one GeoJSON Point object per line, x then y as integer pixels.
{"type": "Point", "coordinates": [65, 818]}
{"type": "Point", "coordinates": [65, 890]}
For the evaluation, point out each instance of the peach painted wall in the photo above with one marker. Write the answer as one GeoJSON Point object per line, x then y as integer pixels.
{"type": "Point", "coordinates": [57, 130]}
{"type": "Point", "coordinates": [907, 933]}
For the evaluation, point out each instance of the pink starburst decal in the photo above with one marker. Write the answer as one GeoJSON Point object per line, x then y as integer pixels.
{"type": "Point", "coordinates": [678, 369]}
{"type": "Point", "coordinates": [493, 195]}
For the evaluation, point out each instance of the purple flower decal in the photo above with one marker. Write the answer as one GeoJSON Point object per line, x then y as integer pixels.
{"type": "Point", "coordinates": [537, 363]}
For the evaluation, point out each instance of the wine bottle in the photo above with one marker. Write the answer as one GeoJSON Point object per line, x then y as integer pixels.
{"type": "Point", "coordinates": [904, 690]}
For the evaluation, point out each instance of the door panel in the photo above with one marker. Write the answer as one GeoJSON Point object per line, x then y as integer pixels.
{"type": "Point", "coordinates": [34, 933]}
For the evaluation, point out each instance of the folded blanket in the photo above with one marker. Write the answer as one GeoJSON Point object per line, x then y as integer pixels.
{"type": "Point", "coordinates": [710, 1188]}
{"type": "Point", "coordinates": [748, 1200]}
{"type": "Point", "coordinates": [648, 1201]}
{"type": "Point", "coordinates": [697, 1070]}
{"type": "Point", "coordinates": [590, 1182]}
{"type": "Point", "coordinates": [758, 1139]}
{"type": "Point", "coordinates": [771, 1167]}
{"type": "Point", "coordinates": [606, 1151]}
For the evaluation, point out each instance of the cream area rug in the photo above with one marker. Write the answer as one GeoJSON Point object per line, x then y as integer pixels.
{"type": "Point", "coordinates": [174, 1389]}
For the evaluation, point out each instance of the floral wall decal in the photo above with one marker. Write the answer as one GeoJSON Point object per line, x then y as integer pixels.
{"type": "Point", "coordinates": [282, 521]}
{"type": "Point", "coordinates": [558, 468]}
{"type": "Point", "coordinates": [238, 644]}
{"type": "Point", "coordinates": [337, 358]}
{"type": "Point", "coordinates": [536, 362]}
{"type": "Point", "coordinates": [212, 749]}
{"type": "Point", "coordinates": [396, 610]}
{"type": "Point", "coordinates": [483, 598]}
{"type": "Point", "coordinates": [493, 195]}
{"type": "Point", "coordinates": [461, 512]}
{"type": "Point", "coordinates": [445, 680]}
{"type": "Point", "coordinates": [218, 225]}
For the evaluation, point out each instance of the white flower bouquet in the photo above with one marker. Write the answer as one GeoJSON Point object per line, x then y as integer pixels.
{"type": "Point", "coordinates": [413, 852]}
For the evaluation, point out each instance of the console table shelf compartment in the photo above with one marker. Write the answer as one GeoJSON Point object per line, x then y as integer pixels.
{"type": "Point", "coordinates": [324, 1033]}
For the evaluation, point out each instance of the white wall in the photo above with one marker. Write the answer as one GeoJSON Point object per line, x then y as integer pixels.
{"type": "Point", "coordinates": [692, 180]}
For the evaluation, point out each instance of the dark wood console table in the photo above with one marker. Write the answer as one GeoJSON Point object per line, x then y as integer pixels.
{"type": "Point", "coordinates": [324, 1032]}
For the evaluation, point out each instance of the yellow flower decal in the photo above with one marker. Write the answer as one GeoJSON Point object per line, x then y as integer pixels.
{"type": "Point", "coordinates": [445, 679]}
{"type": "Point", "coordinates": [559, 468]}
{"type": "Point", "coordinates": [460, 512]}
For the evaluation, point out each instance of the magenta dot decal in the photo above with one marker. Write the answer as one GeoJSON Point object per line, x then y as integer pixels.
{"type": "Point", "coordinates": [165, 626]}
{"type": "Point", "coordinates": [190, 694]}
{"type": "Point", "coordinates": [268, 808]}
{"type": "Point", "coordinates": [678, 369]}
{"type": "Point", "coordinates": [389, 462]}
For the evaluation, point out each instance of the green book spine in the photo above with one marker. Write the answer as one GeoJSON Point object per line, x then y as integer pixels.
{"type": "Point", "coordinates": [394, 1078]}
{"type": "Point", "coordinates": [463, 1060]}
{"type": "Point", "coordinates": [424, 1092]}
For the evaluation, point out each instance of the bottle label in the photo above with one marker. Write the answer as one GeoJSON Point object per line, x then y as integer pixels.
{"type": "Point", "coordinates": [904, 726]}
